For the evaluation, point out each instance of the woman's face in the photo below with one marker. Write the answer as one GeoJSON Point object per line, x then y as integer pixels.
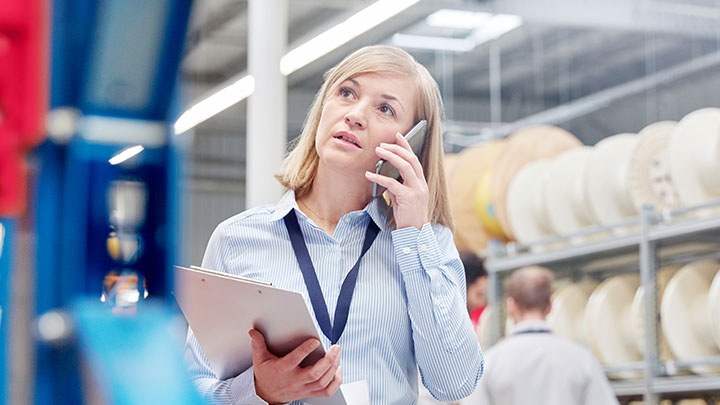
{"type": "Point", "coordinates": [359, 114]}
{"type": "Point", "coordinates": [476, 293]}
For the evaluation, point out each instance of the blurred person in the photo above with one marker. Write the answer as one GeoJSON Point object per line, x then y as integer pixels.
{"type": "Point", "coordinates": [476, 277]}
{"type": "Point", "coordinates": [534, 366]}
{"type": "Point", "coordinates": [407, 309]}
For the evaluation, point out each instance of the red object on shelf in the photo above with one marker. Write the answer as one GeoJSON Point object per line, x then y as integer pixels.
{"type": "Point", "coordinates": [24, 51]}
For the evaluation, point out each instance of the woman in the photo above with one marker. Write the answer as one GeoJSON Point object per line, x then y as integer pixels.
{"type": "Point", "coordinates": [407, 308]}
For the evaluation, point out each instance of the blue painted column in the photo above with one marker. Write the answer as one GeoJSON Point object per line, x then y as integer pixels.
{"type": "Point", "coordinates": [7, 231]}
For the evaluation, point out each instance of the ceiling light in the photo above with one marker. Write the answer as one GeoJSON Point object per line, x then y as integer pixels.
{"type": "Point", "coordinates": [226, 97]}
{"type": "Point", "coordinates": [490, 27]}
{"type": "Point", "coordinates": [126, 154]}
{"type": "Point", "coordinates": [498, 25]}
{"type": "Point", "coordinates": [359, 23]}
{"type": "Point", "coordinates": [461, 19]}
{"type": "Point", "coordinates": [355, 25]}
{"type": "Point", "coordinates": [433, 43]}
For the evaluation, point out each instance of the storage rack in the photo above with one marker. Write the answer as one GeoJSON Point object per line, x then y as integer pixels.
{"type": "Point", "coordinates": [669, 237]}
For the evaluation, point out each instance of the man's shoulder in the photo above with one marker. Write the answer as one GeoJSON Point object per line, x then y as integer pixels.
{"type": "Point", "coordinates": [550, 341]}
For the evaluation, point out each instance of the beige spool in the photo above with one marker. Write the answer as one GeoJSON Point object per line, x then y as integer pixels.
{"type": "Point", "coordinates": [608, 318]}
{"type": "Point", "coordinates": [471, 163]}
{"type": "Point", "coordinates": [638, 313]}
{"type": "Point", "coordinates": [484, 208]}
{"type": "Point", "coordinates": [685, 317]}
{"type": "Point", "coordinates": [450, 161]}
{"type": "Point", "coordinates": [566, 318]}
{"type": "Point", "coordinates": [523, 146]}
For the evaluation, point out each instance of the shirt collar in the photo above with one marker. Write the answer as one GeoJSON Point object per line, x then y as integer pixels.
{"type": "Point", "coordinates": [524, 326]}
{"type": "Point", "coordinates": [377, 209]}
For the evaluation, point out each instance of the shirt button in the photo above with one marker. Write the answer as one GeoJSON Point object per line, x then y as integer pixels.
{"type": "Point", "coordinates": [436, 302]}
{"type": "Point", "coordinates": [406, 250]}
{"type": "Point", "coordinates": [423, 247]}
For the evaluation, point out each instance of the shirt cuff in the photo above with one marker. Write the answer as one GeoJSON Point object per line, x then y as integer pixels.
{"type": "Point", "coordinates": [241, 393]}
{"type": "Point", "coordinates": [416, 249]}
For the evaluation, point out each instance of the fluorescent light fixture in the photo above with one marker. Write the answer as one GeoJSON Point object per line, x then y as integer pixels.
{"type": "Point", "coordinates": [433, 43]}
{"type": "Point", "coordinates": [498, 25]}
{"type": "Point", "coordinates": [360, 22]}
{"type": "Point", "coordinates": [126, 154]}
{"type": "Point", "coordinates": [485, 27]}
{"type": "Point", "coordinates": [461, 19]}
{"type": "Point", "coordinates": [228, 95]}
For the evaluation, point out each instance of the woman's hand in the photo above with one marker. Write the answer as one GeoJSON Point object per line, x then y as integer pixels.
{"type": "Point", "coordinates": [282, 380]}
{"type": "Point", "coordinates": [410, 198]}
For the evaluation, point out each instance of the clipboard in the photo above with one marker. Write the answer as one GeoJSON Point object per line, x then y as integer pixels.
{"type": "Point", "coordinates": [221, 308]}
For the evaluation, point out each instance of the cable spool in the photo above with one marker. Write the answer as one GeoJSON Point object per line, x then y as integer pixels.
{"type": "Point", "coordinates": [450, 161]}
{"type": "Point", "coordinates": [609, 321]}
{"type": "Point", "coordinates": [638, 313]}
{"type": "Point", "coordinates": [485, 209]}
{"type": "Point", "coordinates": [694, 155]}
{"type": "Point", "coordinates": [685, 316]}
{"type": "Point", "coordinates": [522, 147]}
{"type": "Point", "coordinates": [606, 180]}
{"type": "Point", "coordinates": [567, 317]}
{"type": "Point", "coordinates": [649, 176]}
{"type": "Point", "coordinates": [564, 193]}
{"type": "Point", "coordinates": [471, 162]}
{"type": "Point", "coordinates": [525, 204]}
{"type": "Point", "coordinates": [714, 304]}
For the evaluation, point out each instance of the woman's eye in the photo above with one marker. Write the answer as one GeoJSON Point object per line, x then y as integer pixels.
{"type": "Point", "coordinates": [386, 109]}
{"type": "Point", "coordinates": [345, 92]}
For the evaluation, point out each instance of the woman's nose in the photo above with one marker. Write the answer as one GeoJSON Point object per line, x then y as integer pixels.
{"type": "Point", "coordinates": [356, 116]}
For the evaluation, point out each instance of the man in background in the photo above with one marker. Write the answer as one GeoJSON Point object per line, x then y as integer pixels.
{"type": "Point", "coordinates": [532, 365]}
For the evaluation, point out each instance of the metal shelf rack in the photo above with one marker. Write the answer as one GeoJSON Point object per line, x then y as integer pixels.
{"type": "Point", "coordinates": [644, 242]}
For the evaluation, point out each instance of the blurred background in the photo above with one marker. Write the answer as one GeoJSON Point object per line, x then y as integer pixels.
{"type": "Point", "coordinates": [584, 136]}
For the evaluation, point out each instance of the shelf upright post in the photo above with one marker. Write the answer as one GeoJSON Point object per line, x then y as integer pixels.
{"type": "Point", "coordinates": [497, 321]}
{"type": "Point", "coordinates": [648, 278]}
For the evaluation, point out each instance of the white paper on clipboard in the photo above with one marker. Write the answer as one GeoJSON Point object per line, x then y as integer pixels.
{"type": "Point", "coordinates": [221, 308]}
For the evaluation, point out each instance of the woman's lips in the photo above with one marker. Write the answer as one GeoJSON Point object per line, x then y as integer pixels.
{"type": "Point", "coordinates": [347, 138]}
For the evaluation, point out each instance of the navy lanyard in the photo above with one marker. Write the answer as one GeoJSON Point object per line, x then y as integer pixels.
{"type": "Point", "coordinates": [311, 281]}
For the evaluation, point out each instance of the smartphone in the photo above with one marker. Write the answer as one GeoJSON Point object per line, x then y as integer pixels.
{"type": "Point", "coordinates": [416, 138]}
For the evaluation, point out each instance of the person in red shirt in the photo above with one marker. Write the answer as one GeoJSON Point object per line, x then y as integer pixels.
{"type": "Point", "coordinates": [476, 281]}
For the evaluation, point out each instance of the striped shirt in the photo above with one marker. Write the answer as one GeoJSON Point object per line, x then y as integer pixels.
{"type": "Point", "coordinates": [408, 310]}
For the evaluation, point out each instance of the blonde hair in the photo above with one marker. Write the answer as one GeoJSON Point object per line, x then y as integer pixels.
{"type": "Point", "coordinates": [300, 166]}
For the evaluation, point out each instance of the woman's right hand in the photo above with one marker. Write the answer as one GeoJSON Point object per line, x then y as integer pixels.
{"type": "Point", "coordinates": [282, 380]}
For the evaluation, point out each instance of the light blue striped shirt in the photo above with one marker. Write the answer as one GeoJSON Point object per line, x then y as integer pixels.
{"type": "Point", "coordinates": [408, 310]}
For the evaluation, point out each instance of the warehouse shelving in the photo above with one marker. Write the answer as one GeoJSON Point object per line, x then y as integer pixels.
{"type": "Point", "coordinates": [644, 242]}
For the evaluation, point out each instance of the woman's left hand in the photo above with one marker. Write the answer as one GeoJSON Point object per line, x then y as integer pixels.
{"type": "Point", "coordinates": [409, 198]}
